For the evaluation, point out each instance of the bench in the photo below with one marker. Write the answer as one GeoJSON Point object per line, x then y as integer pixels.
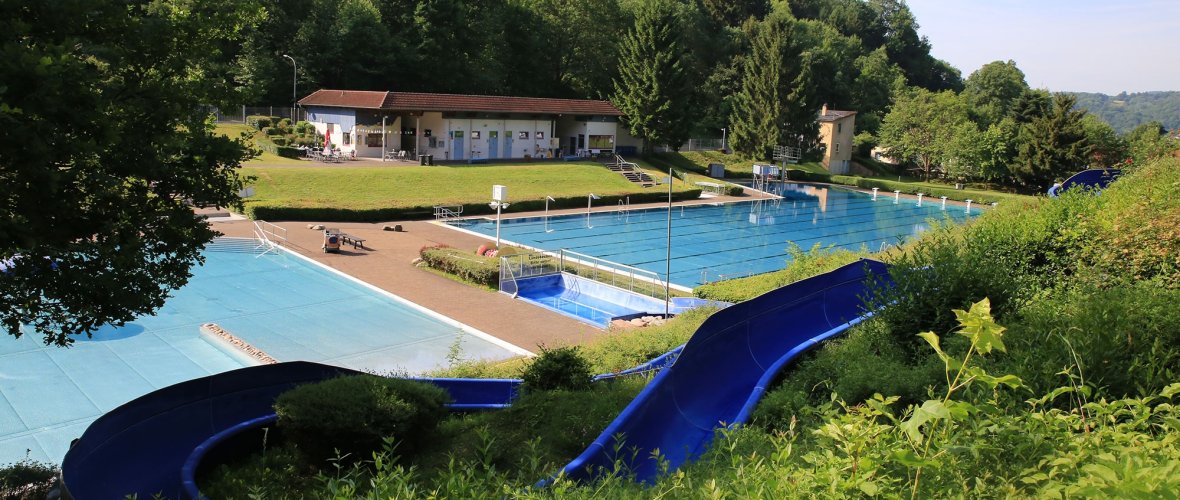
{"type": "Point", "coordinates": [712, 187]}
{"type": "Point", "coordinates": [352, 240]}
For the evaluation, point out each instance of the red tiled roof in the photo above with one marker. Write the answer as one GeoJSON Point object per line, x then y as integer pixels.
{"type": "Point", "coordinates": [834, 114]}
{"type": "Point", "coordinates": [345, 98]}
{"type": "Point", "coordinates": [414, 101]}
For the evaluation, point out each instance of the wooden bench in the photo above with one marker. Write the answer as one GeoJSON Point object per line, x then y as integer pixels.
{"type": "Point", "coordinates": [352, 240]}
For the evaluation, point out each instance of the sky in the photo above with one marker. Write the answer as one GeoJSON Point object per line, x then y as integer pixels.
{"type": "Point", "coordinates": [1078, 46]}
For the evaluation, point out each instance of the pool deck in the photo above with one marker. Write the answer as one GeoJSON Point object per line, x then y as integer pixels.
{"type": "Point", "coordinates": [385, 262]}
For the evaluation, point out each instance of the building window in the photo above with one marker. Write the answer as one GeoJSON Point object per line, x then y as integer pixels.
{"type": "Point", "coordinates": [373, 140]}
{"type": "Point", "coordinates": [602, 142]}
{"type": "Point", "coordinates": [540, 135]}
{"type": "Point", "coordinates": [475, 134]}
{"type": "Point", "coordinates": [839, 127]}
{"type": "Point", "coordinates": [522, 135]}
{"type": "Point", "coordinates": [347, 138]}
{"type": "Point", "coordinates": [837, 147]}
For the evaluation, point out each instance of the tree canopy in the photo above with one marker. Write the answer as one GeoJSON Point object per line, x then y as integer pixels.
{"type": "Point", "coordinates": [105, 146]}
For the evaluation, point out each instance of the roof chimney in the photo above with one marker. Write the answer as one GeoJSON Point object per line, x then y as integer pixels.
{"type": "Point", "coordinates": [824, 110]}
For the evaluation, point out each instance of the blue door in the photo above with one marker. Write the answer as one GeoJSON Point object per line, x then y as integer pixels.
{"type": "Point", "coordinates": [457, 147]}
{"type": "Point", "coordinates": [508, 145]}
{"type": "Point", "coordinates": [494, 144]}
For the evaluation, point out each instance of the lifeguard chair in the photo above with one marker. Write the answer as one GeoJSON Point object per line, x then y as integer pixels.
{"type": "Point", "coordinates": [331, 241]}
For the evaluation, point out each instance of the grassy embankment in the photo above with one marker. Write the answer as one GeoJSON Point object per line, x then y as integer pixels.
{"type": "Point", "coordinates": [1086, 287]}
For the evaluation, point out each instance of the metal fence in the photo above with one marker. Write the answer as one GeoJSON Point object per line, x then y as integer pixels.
{"type": "Point", "coordinates": [527, 265]}
{"type": "Point", "coordinates": [238, 115]}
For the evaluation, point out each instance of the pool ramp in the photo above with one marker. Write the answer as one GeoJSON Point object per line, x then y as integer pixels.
{"type": "Point", "coordinates": [713, 382]}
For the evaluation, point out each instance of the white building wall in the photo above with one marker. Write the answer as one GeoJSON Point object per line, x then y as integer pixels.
{"type": "Point", "coordinates": [393, 132]}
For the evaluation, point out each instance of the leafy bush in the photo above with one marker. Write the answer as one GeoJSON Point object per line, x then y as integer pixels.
{"type": "Point", "coordinates": [279, 140]}
{"type": "Point", "coordinates": [259, 122]}
{"type": "Point", "coordinates": [304, 128]}
{"type": "Point", "coordinates": [463, 264]}
{"type": "Point", "coordinates": [272, 131]}
{"type": "Point", "coordinates": [355, 414]}
{"type": "Point", "coordinates": [26, 479]}
{"type": "Point", "coordinates": [562, 368]}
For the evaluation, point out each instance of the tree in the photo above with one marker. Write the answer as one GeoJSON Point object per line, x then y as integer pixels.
{"type": "Point", "coordinates": [1150, 140]}
{"type": "Point", "coordinates": [734, 12]}
{"type": "Point", "coordinates": [922, 127]}
{"type": "Point", "coordinates": [777, 102]}
{"type": "Point", "coordinates": [983, 154]}
{"type": "Point", "coordinates": [1106, 147]}
{"type": "Point", "coordinates": [104, 145]}
{"type": "Point", "coordinates": [992, 90]}
{"type": "Point", "coordinates": [1052, 145]}
{"type": "Point", "coordinates": [653, 89]}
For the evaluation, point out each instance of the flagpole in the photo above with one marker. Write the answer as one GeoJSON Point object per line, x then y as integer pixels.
{"type": "Point", "coordinates": [668, 259]}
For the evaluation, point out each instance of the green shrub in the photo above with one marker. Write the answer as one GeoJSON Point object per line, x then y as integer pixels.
{"type": "Point", "coordinates": [26, 479]}
{"type": "Point", "coordinates": [284, 124]}
{"type": "Point", "coordinates": [355, 414]}
{"type": "Point", "coordinates": [280, 140]}
{"type": "Point", "coordinates": [303, 128]}
{"type": "Point", "coordinates": [1124, 341]}
{"type": "Point", "coordinates": [464, 264]}
{"type": "Point", "coordinates": [289, 151]}
{"type": "Point", "coordinates": [562, 368]}
{"type": "Point", "coordinates": [272, 131]}
{"type": "Point", "coordinates": [259, 122]}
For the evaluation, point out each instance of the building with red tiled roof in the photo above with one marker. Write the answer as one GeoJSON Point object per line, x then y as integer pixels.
{"type": "Point", "coordinates": [836, 130]}
{"type": "Point", "coordinates": [465, 127]}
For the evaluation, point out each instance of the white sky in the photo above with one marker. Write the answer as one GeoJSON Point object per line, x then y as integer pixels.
{"type": "Point", "coordinates": [1080, 45]}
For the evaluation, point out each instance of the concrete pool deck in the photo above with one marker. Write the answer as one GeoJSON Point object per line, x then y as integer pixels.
{"type": "Point", "coordinates": [385, 262]}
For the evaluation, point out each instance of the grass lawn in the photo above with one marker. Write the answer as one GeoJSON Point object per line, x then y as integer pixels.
{"type": "Point", "coordinates": [362, 188]}
{"type": "Point", "coordinates": [237, 129]}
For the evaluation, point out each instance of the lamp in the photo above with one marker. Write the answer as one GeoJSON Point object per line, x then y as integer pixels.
{"type": "Point", "coordinates": [294, 93]}
{"type": "Point", "coordinates": [499, 194]}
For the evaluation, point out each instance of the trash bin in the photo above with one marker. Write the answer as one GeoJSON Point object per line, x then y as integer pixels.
{"type": "Point", "coordinates": [716, 170]}
{"type": "Point", "coordinates": [421, 159]}
{"type": "Point", "coordinates": [430, 159]}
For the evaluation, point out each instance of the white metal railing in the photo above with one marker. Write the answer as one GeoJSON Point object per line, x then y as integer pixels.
{"type": "Point", "coordinates": [632, 279]}
{"type": "Point", "coordinates": [269, 236]}
{"type": "Point", "coordinates": [445, 212]}
{"type": "Point", "coordinates": [527, 265]}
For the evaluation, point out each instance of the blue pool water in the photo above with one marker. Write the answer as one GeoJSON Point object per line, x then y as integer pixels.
{"type": "Point", "coordinates": [712, 242]}
{"type": "Point", "coordinates": [288, 307]}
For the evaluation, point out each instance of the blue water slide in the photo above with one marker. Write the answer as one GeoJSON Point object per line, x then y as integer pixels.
{"type": "Point", "coordinates": [723, 370]}
{"type": "Point", "coordinates": [153, 444]}
{"type": "Point", "coordinates": [1096, 178]}
{"type": "Point", "coordinates": [141, 447]}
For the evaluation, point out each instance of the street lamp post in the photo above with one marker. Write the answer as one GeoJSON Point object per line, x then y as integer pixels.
{"type": "Point", "coordinates": [589, 201]}
{"type": "Point", "coordinates": [723, 148]}
{"type": "Point", "coordinates": [294, 92]}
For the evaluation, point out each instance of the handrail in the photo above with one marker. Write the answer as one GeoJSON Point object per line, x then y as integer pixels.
{"type": "Point", "coordinates": [263, 233]}
{"type": "Point", "coordinates": [444, 212]}
{"type": "Point", "coordinates": [615, 269]}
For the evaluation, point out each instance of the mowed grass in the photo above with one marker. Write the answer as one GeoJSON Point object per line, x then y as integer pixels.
{"type": "Point", "coordinates": [235, 130]}
{"type": "Point", "coordinates": [417, 186]}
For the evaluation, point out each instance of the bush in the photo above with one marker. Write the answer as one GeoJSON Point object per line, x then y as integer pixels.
{"type": "Point", "coordinates": [288, 151]}
{"type": "Point", "coordinates": [280, 140]}
{"type": "Point", "coordinates": [272, 131]}
{"type": "Point", "coordinates": [562, 368]}
{"type": "Point", "coordinates": [259, 122]}
{"type": "Point", "coordinates": [354, 414]}
{"type": "Point", "coordinates": [304, 128]}
{"type": "Point", "coordinates": [26, 479]}
{"type": "Point", "coordinates": [463, 264]}
{"type": "Point", "coordinates": [285, 124]}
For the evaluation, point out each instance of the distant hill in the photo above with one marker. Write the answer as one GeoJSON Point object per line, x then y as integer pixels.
{"type": "Point", "coordinates": [1126, 111]}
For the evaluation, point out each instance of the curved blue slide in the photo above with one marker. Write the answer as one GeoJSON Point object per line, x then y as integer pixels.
{"type": "Point", "coordinates": [714, 380]}
{"type": "Point", "coordinates": [724, 369]}
{"type": "Point", "coordinates": [1095, 178]}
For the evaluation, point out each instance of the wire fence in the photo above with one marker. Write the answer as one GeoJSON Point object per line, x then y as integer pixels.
{"type": "Point", "coordinates": [238, 115]}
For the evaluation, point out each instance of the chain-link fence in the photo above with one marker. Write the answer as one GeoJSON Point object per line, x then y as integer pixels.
{"type": "Point", "coordinates": [238, 115]}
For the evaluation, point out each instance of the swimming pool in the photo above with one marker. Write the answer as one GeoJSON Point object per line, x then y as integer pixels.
{"type": "Point", "coordinates": [712, 242]}
{"type": "Point", "coordinates": [281, 303]}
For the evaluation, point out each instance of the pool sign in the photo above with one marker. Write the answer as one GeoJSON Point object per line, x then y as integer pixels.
{"type": "Point", "coordinates": [499, 193]}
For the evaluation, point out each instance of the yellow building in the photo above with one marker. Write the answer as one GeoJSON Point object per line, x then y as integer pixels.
{"type": "Point", "coordinates": [836, 130]}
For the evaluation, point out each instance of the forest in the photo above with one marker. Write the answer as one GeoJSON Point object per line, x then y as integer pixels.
{"type": "Point", "coordinates": [1126, 111]}
{"type": "Point", "coordinates": [688, 68]}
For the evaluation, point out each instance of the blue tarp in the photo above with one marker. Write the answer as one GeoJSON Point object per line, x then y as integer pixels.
{"type": "Point", "coordinates": [1097, 178]}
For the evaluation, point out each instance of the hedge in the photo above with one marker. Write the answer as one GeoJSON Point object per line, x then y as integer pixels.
{"type": "Point", "coordinates": [463, 263]}
{"type": "Point", "coordinates": [259, 122]}
{"type": "Point", "coordinates": [268, 211]}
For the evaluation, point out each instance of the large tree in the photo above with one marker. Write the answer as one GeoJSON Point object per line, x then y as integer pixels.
{"type": "Point", "coordinates": [777, 103]}
{"type": "Point", "coordinates": [1052, 145]}
{"type": "Point", "coordinates": [104, 147]}
{"type": "Point", "coordinates": [653, 89]}
{"type": "Point", "coordinates": [993, 90]}
{"type": "Point", "coordinates": [922, 126]}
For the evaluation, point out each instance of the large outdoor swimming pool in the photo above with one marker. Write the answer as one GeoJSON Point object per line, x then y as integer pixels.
{"type": "Point", "coordinates": [713, 242]}
{"type": "Point", "coordinates": [286, 306]}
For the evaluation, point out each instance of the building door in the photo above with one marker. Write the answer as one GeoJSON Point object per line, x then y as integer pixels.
{"type": "Point", "coordinates": [573, 149]}
{"type": "Point", "coordinates": [508, 144]}
{"type": "Point", "coordinates": [493, 144]}
{"type": "Point", "coordinates": [458, 149]}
